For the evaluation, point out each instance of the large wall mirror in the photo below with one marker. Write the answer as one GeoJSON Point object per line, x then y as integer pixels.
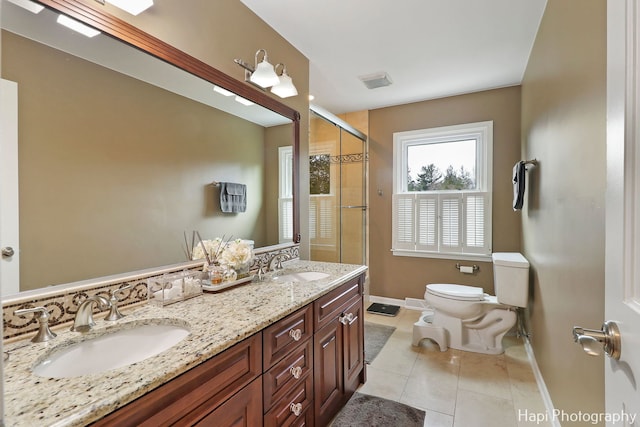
{"type": "Point", "coordinates": [120, 140]}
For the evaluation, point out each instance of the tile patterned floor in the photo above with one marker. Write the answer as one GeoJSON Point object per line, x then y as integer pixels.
{"type": "Point", "coordinates": [454, 388]}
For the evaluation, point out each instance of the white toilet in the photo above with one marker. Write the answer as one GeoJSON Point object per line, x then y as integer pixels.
{"type": "Point", "coordinates": [465, 318]}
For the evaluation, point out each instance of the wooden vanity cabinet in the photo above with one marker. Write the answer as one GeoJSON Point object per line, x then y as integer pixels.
{"type": "Point", "coordinates": [299, 371]}
{"type": "Point", "coordinates": [192, 397]}
{"type": "Point", "coordinates": [338, 348]}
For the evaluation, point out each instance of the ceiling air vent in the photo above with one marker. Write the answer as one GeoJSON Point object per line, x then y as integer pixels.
{"type": "Point", "coordinates": [373, 81]}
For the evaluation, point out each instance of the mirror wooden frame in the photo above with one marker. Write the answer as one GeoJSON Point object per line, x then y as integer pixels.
{"type": "Point", "coordinates": [133, 36]}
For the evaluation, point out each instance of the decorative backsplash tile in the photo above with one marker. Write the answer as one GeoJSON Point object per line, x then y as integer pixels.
{"type": "Point", "coordinates": [63, 305]}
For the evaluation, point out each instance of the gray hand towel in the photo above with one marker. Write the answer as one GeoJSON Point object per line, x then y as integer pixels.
{"type": "Point", "coordinates": [233, 197]}
{"type": "Point", "coordinates": [519, 172]}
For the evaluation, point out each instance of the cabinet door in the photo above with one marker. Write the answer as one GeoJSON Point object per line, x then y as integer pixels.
{"type": "Point", "coordinates": [328, 371]}
{"type": "Point", "coordinates": [195, 393]}
{"type": "Point", "coordinates": [353, 340]}
{"type": "Point", "coordinates": [243, 409]}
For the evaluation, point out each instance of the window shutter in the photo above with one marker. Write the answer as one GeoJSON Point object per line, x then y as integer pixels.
{"type": "Point", "coordinates": [313, 218]}
{"type": "Point", "coordinates": [285, 220]}
{"type": "Point", "coordinates": [285, 201]}
{"type": "Point", "coordinates": [403, 221]}
{"type": "Point", "coordinates": [322, 226]}
{"type": "Point", "coordinates": [451, 223]}
{"type": "Point", "coordinates": [426, 222]}
{"type": "Point", "coordinates": [477, 228]}
{"type": "Point", "coordinates": [326, 220]}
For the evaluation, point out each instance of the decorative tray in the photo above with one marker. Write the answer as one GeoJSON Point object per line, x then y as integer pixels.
{"type": "Point", "coordinates": [207, 286]}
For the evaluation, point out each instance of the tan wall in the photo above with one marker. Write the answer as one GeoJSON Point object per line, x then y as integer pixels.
{"type": "Point", "coordinates": [563, 126]}
{"type": "Point", "coordinates": [400, 277]}
{"type": "Point", "coordinates": [217, 32]}
{"type": "Point", "coordinates": [112, 170]}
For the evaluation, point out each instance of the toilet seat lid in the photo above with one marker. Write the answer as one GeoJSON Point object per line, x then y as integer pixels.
{"type": "Point", "coordinates": [459, 292]}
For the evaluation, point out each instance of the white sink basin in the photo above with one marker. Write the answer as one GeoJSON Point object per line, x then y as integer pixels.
{"type": "Point", "coordinates": [302, 276]}
{"type": "Point", "coordinates": [110, 351]}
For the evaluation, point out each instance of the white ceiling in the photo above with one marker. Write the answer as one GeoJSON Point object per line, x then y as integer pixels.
{"type": "Point", "coordinates": [429, 48]}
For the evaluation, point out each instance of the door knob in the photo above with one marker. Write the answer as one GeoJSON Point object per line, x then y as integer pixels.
{"type": "Point", "coordinates": [595, 342]}
{"type": "Point", "coordinates": [7, 252]}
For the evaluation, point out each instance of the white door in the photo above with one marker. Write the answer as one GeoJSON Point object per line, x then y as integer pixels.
{"type": "Point", "coordinates": [9, 237]}
{"type": "Point", "coordinates": [622, 294]}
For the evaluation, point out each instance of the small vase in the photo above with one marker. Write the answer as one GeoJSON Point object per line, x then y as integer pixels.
{"type": "Point", "coordinates": [243, 270]}
{"type": "Point", "coordinates": [215, 273]}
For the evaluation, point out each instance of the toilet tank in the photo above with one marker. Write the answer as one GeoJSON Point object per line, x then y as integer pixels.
{"type": "Point", "coordinates": [511, 278]}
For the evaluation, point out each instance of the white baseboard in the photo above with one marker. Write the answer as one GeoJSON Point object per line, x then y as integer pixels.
{"type": "Point", "coordinates": [408, 303]}
{"type": "Point", "coordinates": [542, 387]}
{"type": "Point", "coordinates": [385, 300]}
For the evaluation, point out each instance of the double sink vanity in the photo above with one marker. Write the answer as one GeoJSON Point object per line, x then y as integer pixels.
{"type": "Point", "coordinates": [284, 350]}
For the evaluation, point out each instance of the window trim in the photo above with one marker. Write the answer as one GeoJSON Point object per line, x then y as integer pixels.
{"type": "Point", "coordinates": [482, 132]}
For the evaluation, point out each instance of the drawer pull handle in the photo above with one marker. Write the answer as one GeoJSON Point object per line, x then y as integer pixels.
{"type": "Point", "coordinates": [296, 334]}
{"type": "Point", "coordinates": [296, 372]}
{"type": "Point", "coordinates": [346, 318]}
{"type": "Point", "coordinates": [296, 408]}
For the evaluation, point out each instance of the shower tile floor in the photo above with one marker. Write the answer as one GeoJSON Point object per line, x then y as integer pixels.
{"type": "Point", "coordinates": [454, 388]}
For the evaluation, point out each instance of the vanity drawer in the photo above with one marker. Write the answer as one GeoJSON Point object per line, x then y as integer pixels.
{"type": "Point", "coordinates": [330, 306]}
{"type": "Point", "coordinates": [195, 393]}
{"type": "Point", "coordinates": [299, 400]}
{"type": "Point", "coordinates": [291, 370]}
{"type": "Point", "coordinates": [283, 336]}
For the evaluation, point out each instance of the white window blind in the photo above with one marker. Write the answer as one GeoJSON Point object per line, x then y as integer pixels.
{"type": "Point", "coordinates": [441, 223]}
{"type": "Point", "coordinates": [426, 225]}
{"type": "Point", "coordinates": [322, 226]}
{"type": "Point", "coordinates": [285, 219]}
{"type": "Point", "coordinates": [285, 199]}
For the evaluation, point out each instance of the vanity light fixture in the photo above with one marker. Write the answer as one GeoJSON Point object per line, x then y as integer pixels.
{"type": "Point", "coordinates": [222, 91]}
{"type": "Point", "coordinates": [134, 7]}
{"type": "Point", "coordinates": [29, 5]}
{"type": "Point", "coordinates": [285, 88]}
{"type": "Point", "coordinates": [77, 26]}
{"type": "Point", "coordinates": [264, 75]}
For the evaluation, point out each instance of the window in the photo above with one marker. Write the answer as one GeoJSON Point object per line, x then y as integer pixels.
{"type": "Point", "coordinates": [285, 198]}
{"type": "Point", "coordinates": [322, 203]}
{"type": "Point", "coordinates": [442, 191]}
{"type": "Point", "coordinates": [319, 174]}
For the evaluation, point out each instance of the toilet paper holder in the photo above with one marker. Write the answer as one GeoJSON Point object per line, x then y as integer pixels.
{"type": "Point", "coordinates": [467, 269]}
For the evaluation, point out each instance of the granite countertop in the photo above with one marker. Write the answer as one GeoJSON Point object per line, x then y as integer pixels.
{"type": "Point", "coordinates": [216, 322]}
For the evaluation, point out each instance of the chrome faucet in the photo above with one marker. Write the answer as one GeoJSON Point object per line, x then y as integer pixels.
{"type": "Point", "coordinates": [42, 314]}
{"type": "Point", "coordinates": [278, 258]}
{"type": "Point", "coordinates": [84, 317]}
{"type": "Point", "coordinates": [114, 313]}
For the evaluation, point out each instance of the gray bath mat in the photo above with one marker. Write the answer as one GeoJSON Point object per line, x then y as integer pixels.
{"type": "Point", "coordinates": [371, 411]}
{"type": "Point", "coordinates": [375, 337]}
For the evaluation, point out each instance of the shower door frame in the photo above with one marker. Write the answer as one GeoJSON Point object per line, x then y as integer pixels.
{"type": "Point", "coordinates": [344, 126]}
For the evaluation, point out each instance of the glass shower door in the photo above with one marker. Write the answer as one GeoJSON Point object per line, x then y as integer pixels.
{"type": "Point", "coordinates": [337, 206]}
{"type": "Point", "coordinates": [352, 208]}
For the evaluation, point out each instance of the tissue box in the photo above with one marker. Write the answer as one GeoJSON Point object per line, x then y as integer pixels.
{"type": "Point", "coordinates": [170, 288]}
